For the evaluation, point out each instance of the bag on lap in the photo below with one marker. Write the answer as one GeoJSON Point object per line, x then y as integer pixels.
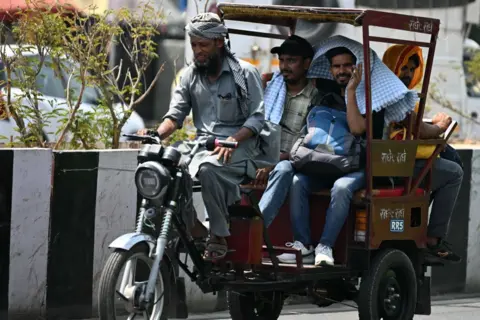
{"type": "Point", "coordinates": [328, 149]}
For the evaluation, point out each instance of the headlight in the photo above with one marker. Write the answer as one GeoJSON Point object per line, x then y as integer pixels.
{"type": "Point", "coordinates": [152, 179]}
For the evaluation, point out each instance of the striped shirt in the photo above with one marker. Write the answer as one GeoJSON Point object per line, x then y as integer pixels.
{"type": "Point", "coordinates": [294, 112]}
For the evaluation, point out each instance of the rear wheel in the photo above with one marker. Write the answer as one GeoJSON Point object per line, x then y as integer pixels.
{"type": "Point", "coordinates": [389, 291]}
{"type": "Point", "coordinates": [255, 306]}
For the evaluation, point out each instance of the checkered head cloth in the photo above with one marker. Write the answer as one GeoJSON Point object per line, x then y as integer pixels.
{"type": "Point", "coordinates": [388, 91]}
{"type": "Point", "coordinates": [208, 25]}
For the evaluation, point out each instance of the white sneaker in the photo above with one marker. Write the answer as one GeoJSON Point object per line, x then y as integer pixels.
{"type": "Point", "coordinates": [307, 253]}
{"type": "Point", "coordinates": [323, 254]}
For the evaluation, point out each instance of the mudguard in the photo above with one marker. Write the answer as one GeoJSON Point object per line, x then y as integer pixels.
{"type": "Point", "coordinates": [129, 240]}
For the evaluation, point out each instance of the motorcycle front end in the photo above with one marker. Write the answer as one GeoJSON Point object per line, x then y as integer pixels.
{"type": "Point", "coordinates": [136, 279]}
{"type": "Point", "coordinates": [145, 289]}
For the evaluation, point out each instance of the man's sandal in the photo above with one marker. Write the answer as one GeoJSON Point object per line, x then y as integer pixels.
{"type": "Point", "coordinates": [215, 251]}
{"type": "Point", "coordinates": [442, 251]}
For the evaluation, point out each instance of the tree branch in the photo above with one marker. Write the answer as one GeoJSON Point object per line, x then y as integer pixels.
{"type": "Point", "coordinates": [150, 87]}
{"type": "Point", "coordinates": [74, 111]}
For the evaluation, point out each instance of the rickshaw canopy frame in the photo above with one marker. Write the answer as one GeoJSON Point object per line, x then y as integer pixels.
{"type": "Point", "coordinates": [289, 15]}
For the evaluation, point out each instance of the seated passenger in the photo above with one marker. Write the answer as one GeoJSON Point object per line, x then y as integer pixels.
{"type": "Point", "coordinates": [298, 92]}
{"type": "Point", "coordinates": [407, 63]}
{"type": "Point", "coordinates": [283, 180]}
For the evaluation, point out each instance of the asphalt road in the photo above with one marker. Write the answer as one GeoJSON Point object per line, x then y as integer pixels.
{"type": "Point", "coordinates": [464, 309]}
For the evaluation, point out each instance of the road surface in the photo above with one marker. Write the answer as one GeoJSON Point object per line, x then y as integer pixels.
{"type": "Point", "coordinates": [464, 309]}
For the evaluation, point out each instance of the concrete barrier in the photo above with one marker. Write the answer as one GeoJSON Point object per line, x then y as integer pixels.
{"type": "Point", "coordinates": [26, 177]}
{"type": "Point", "coordinates": [60, 210]}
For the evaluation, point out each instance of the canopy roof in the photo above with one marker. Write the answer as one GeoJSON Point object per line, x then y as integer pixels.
{"type": "Point", "coordinates": [287, 16]}
{"type": "Point", "coordinates": [284, 15]}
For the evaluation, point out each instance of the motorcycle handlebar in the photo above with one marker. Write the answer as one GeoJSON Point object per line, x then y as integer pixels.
{"type": "Point", "coordinates": [210, 144]}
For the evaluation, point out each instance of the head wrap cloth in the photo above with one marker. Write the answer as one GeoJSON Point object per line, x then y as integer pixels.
{"type": "Point", "coordinates": [209, 26]}
{"type": "Point", "coordinates": [398, 55]}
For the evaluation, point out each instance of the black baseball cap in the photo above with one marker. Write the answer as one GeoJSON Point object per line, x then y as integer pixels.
{"type": "Point", "coordinates": [295, 46]}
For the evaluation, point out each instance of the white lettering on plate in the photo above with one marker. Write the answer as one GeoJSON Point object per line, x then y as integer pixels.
{"type": "Point", "coordinates": [386, 213]}
{"type": "Point", "coordinates": [397, 225]}
{"type": "Point", "coordinates": [416, 25]}
{"type": "Point", "coordinates": [389, 157]}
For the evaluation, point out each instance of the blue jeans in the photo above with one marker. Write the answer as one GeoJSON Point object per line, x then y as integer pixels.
{"type": "Point", "coordinates": [283, 180]}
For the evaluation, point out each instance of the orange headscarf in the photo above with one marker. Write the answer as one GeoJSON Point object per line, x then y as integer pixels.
{"type": "Point", "coordinates": [397, 56]}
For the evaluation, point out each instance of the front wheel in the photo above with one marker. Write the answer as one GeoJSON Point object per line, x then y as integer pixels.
{"type": "Point", "coordinates": [117, 289]}
{"type": "Point", "coordinates": [255, 306]}
{"type": "Point", "coordinates": [389, 290]}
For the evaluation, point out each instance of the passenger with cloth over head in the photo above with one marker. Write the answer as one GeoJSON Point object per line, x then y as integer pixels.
{"type": "Point", "coordinates": [226, 99]}
{"type": "Point", "coordinates": [339, 102]}
{"type": "Point", "coordinates": [288, 95]}
{"type": "Point", "coordinates": [406, 62]}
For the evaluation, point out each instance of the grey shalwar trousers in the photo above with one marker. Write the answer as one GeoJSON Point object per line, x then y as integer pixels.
{"type": "Point", "coordinates": [221, 182]}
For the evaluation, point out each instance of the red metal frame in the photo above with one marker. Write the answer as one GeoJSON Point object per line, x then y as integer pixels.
{"type": "Point", "coordinates": [407, 23]}
{"type": "Point", "coordinates": [365, 18]}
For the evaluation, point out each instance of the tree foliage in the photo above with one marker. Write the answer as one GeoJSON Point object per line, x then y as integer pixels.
{"type": "Point", "coordinates": [75, 46]}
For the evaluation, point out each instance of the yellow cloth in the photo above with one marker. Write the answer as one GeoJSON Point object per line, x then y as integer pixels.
{"type": "Point", "coordinates": [395, 58]}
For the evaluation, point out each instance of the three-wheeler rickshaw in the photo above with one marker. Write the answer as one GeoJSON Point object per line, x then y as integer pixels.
{"type": "Point", "coordinates": [382, 270]}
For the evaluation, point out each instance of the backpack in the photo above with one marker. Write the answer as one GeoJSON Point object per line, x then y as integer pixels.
{"type": "Point", "coordinates": [327, 148]}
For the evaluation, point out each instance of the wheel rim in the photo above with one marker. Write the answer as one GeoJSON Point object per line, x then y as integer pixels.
{"type": "Point", "coordinates": [128, 278]}
{"type": "Point", "coordinates": [393, 295]}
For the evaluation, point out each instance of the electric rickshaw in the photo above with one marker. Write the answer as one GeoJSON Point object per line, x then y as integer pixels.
{"type": "Point", "coordinates": [379, 259]}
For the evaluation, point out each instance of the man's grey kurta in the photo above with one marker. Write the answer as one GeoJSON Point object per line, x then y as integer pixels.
{"type": "Point", "coordinates": [216, 111]}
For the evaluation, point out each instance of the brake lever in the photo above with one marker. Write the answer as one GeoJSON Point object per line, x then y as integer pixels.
{"type": "Point", "coordinates": [155, 139]}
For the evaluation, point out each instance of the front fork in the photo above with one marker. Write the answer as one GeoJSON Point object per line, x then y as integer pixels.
{"type": "Point", "coordinates": [162, 239]}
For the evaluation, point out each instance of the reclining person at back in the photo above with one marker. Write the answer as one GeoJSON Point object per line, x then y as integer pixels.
{"type": "Point", "coordinates": [284, 179]}
{"type": "Point", "coordinates": [407, 63]}
{"type": "Point", "coordinates": [288, 95]}
{"type": "Point", "coordinates": [209, 88]}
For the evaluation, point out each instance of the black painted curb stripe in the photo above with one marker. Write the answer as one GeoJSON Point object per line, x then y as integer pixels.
{"type": "Point", "coordinates": [72, 235]}
{"type": "Point", "coordinates": [6, 180]}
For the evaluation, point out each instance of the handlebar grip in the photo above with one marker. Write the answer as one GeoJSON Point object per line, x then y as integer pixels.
{"type": "Point", "coordinates": [226, 144]}
{"type": "Point", "coordinates": [213, 143]}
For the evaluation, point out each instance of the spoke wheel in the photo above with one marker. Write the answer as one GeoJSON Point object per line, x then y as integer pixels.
{"type": "Point", "coordinates": [124, 279]}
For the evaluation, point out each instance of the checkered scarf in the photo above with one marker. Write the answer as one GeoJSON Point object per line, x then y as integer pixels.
{"type": "Point", "coordinates": [388, 91]}
{"type": "Point", "coordinates": [209, 26]}
{"type": "Point", "coordinates": [274, 98]}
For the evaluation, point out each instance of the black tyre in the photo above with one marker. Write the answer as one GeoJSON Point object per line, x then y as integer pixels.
{"type": "Point", "coordinates": [110, 304]}
{"type": "Point", "coordinates": [389, 291]}
{"type": "Point", "coordinates": [255, 306]}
